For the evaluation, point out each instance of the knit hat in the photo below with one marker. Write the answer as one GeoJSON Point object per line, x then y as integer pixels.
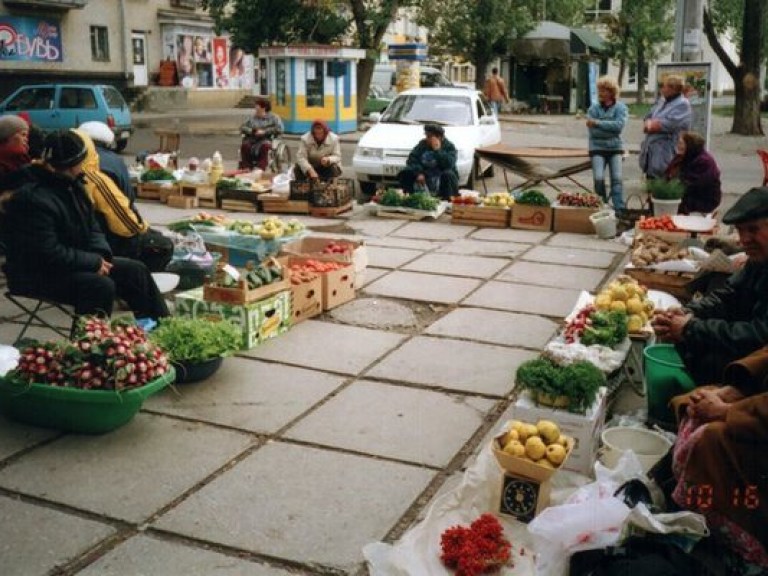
{"type": "Point", "coordinates": [434, 130]}
{"type": "Point", "coordinates": [98, 131]}
{"type": "Point", "coordinates": [64, 149]}
{"type": "Point", "coordinates": [10, 125]}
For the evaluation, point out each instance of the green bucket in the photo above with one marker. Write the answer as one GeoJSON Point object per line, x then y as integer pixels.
{"type": "Point", "coordinates": [665, 378]}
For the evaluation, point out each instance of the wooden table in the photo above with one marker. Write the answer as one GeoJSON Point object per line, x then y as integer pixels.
{"type": "Point", "coordinates": [529, 163]}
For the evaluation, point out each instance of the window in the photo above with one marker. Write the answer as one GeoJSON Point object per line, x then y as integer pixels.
{"type": "Point", "coordinates": [99, 44]}
{"type": "Point", "coordinates": [597, 9]}
{"type": "Point", "coordinates": [113, 98]}
{"type": "Point", "coordinates": [77, 98]}
{"type": "Point", "coordinates": [280, 82]}
{"type": "Point", "coordinates": [32, 99]}
{"type": "Point", "coordinates": [314, 83]}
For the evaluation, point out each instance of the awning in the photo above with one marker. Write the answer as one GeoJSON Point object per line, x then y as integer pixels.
{"type": "Point", "coordinates": [586, 41]}
{"type": "Point", "coordinates": [551, 41]}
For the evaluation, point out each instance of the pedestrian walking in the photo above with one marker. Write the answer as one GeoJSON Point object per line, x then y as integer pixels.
{"type": "Point", "coordinates": [496, 91]}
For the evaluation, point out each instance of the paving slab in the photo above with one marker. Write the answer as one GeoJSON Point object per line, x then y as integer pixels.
{"type": "Point", "coordinates": [529, 299]}
{"type": "Point", "coordinates": [34, 539]}
{"type": "Point", "coordinates": [301, 503]}
{"type": "Point", "coordinates": [509, 235]}
{"type": "Point", "coordinates": [376, 227]}
{"type": "Point", "coordinates": [570, 256]}
{"type": "Point", "coordinates": [9, 332]}
{"type": "Point", "coordinates": [471, 247]}
{"type": "Point", "coordinates": [432, 231]}
{"type": "Point", "coordinates": [586, 241]}
{"type": "Point", "coordinates": [129, 473]}
{"type": "Point", "coordinates": [245, 393]}
{"type": "Point", "coordinates": [421, 426]}
{"type": "Point", "coordinates": [495, 327]}
{"type": "Point", "coordinates": [407, 243]}
{"type": "Point", "coordinates": [377, 313]}
{"type": "Point", "coordinates": [453, 364]}
{"type": "Point", "coordinates": [373, 274]}
{"type": "Point", "coordinates": [15, 437]}
{"type": "Point", "coordinates": [423, 287]}
{"type": "Point", "coordinates": [560, 276]}
{"type": "Point", "coordinates": [381, 257]}
{"type": "Point", "coordinates": [328, 346]}
{"type": "Point", "coordinates": [142, 555]}
{"type": "Point", "coordinates": [457, 265]}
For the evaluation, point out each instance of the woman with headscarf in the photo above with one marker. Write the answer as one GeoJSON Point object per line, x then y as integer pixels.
{"type": "Point", "coordinates": [14, 146]}
{"type": "Point", "coordinates": [697, 170]}
{"type": "Point", "coordinates": [319, 154]}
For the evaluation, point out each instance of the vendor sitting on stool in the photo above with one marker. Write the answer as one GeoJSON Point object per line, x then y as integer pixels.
{"type": "Point", "coordinates": [431, 165]}
{"type": "Point", "coordinates": [319, 154]}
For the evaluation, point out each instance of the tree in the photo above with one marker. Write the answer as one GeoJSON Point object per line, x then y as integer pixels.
{"type": "Point", "coordinates": [746, 20]}
{"type": "Point", "coordinates": [637, 34]}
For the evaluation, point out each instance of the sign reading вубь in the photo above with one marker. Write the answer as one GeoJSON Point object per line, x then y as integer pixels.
{"type": "Point", "coordinates": [30, 39]}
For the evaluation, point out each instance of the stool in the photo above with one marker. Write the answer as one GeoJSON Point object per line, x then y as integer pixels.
{"type": "Point", "coordinates": [33, 315]}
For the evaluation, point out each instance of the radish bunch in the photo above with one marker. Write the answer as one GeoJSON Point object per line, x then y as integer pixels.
{"type": "Point", "coordinates": [101, 357]}
{"type": "Point", "coordinates": [575, 328]}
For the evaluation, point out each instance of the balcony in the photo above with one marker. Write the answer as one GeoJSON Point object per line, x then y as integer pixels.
{"type": "Point", "coordinates": [46, 4]}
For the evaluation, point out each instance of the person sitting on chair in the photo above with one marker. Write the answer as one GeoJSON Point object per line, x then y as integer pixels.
{"type": "Point", "coordinates": [14, 147]}
{"type": "Point", "coordinates": [698, 171]}
{"type": "Point", "coordinates": [319, 154]}
{"type": "Point", "coordinates": [110, 162]}
{"type": "Point", "coordinates": [258, 132]}
{"type": "Point", "coordinates": [55, 249]}
{"type": "Point", "coordinates": [431, 165]}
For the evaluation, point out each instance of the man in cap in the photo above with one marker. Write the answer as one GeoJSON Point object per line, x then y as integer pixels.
{"type": "Point", "coordinates": [731, 322]}
{"type": "Point", "coordinates": [110, 162]}
{"type": "Point", "coordinates": [431, 165]}
{"type": "Point", "coordinates": [55, 249]}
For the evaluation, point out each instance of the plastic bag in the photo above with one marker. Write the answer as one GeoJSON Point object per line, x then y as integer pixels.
{"type": "Point", "coordinates": [9, 359]}
{"type": "Point", "coordinates": [281, 184]}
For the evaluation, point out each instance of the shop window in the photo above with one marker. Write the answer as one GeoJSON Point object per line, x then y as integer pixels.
{"type": "Point", "coordinates": [597, 10]}
{"type": "Point", "coordinates": [280, 82]}
{"type": "Point", "coordinates": [314, 83]}
{"type": "Point", "coordinates": [99, 44]}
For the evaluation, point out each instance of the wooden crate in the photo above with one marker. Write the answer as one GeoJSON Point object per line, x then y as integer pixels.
{"type": "Point", "coordinates": [573, 219]}
{"type": "Point", "coordinates": [177, 201]}
{"type": "Point", "coordinates": [488, 217]}
{"type": "Point", "coordinates": [205, 193]}
{"type": "Point", "coordinates": [241, 294]}
{"type": "Point", "coordinates": [153, 191]}
{"type": "Point", "coordinates": [674, 283]}
{"type": "Point", "coordinates": [239, 205]}
{"type": "Point", "coordinates": [329, 211]}
{"type": "Point", "coordinates": [274, 204]}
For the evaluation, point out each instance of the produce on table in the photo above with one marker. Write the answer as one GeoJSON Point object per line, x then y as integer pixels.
{"type": "Point", "coordinates": [499, 200]}
{"type": "Point", "coordinates": [478, 549]}
{"type": "Point", "coordinates": [338, 247]}
{"type": "Point", "coordinates": [533, 198]}
{"type": "Point", "coordinates": [416, 200]}
{"type": "Point", "coordinates": [194, 340]}
{"type": "Point", "coordinates": [626, 294]}
{"type": "Point", "coordinates": [390, 197]}
{"type": "Point", "coordinates": [254, 276]}
{"type": "Point", "coordinates": [157, 174]}
{"type": "Point", "coordinates": [578, 382]}
{"type": "Point", "coordinates": [465, 200]}
{"type": "Point", "coordinates": [579, 199]}
{"type": "Point", "coordinates": [664, 223]}
{"type": "Point", "coordinates": [270, 228]}
{"type": "Point", "coordinates": [101, 356]}
{"type": "Point", "coordinates": [542, 444]}
{"type": "Point", "coordinates": [208, 218]}
{"type": "Point", "coordinates": [232, 184]}
{"type": "Point", "coordinates": [649, 250]}
{"type": "Point", "coordinates": [605, 328]}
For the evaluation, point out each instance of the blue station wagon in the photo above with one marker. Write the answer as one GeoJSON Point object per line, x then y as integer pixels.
{"type": "Point", "coordinates": [62, 106]}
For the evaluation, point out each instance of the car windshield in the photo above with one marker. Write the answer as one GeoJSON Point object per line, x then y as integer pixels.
{"type": "Point", "coordinates": [430, 109]}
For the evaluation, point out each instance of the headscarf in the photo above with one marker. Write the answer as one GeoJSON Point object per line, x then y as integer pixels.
{"type": "Point", "coordinates": [12, 156]}
{"type": "Point", "coordinates": [322, 125]}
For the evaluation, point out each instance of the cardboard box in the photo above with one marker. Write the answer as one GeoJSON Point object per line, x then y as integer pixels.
{"type": "Point", "coordinates": [527, 217]}
{"type": "Point", "coordinates": [338, 287]}
{"type": "Point", "coordinates": [313, 246]}
{"type": "Point", "coordinates": [177, 201]}
{"type": "Point", "coordinates": [574, 219]}
{"type": "Point", "coordinates": [485, 216]}
{"type": "Point", "coordinates": [259, 321]}
{"type": "Point", "coordinates": [307, 299]}
{"type": "Point", "coordinates": [585, 428]}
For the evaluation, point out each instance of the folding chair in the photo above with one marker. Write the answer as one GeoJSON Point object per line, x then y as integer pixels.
{"type": "Point", "coordinates": [34, 312]}
{"type": "Point", "coordinates": [764, 157]}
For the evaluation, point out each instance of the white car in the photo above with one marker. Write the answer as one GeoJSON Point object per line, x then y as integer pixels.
{"type": "Point", "coordinates": [465, 114]}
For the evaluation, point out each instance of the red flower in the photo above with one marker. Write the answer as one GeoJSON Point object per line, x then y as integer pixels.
{"type": "Point", "coordinates": [479, 549]}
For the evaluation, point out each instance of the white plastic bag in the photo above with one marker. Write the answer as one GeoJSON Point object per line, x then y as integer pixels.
{"type": "Point", "coordinates": [281, 184]}
{"type": "Point", "coordinates": [9, 359]}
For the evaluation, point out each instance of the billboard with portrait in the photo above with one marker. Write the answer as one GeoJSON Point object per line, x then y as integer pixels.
{"type": "Point", "coordinates": [30, 39]}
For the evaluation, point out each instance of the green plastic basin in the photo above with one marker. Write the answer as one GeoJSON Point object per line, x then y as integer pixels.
{"type": "Point", "coordinates": [75, 410]}
{"type": "Point", "coordinates": [665, 378]}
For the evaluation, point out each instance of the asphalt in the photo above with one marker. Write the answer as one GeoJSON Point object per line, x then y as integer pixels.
{"type": "Point", "coordinates": [336, 434]}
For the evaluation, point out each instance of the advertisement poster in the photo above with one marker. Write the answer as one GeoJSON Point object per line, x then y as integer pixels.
{"type": "Point", "coordinates": [593, 72]}
{"type": "Point", "coordinates": [249, 71]}
{"type": "Point", "coordinates": [220, 62]}
{"type": "Point", "coordinates": [30, 39]}
{"type": "Point", "coordinates": [697, 76]}
{"type": "Point", "coordinates": [185, 65]}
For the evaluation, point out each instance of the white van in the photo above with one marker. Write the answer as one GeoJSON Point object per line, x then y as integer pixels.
{"type": "Point", "coordinates": [385, 78]}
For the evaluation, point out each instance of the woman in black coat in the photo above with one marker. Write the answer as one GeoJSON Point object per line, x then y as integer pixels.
{"type": "Point", "coordinates": [697, 170]}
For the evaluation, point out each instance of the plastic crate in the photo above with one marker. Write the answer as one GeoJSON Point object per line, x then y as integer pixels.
{"type": "Point", "coordinates": [334, 193]}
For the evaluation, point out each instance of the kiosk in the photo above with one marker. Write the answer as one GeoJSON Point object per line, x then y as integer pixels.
{"type": "Point", "coordinates": [306, 83]}
{"type": "Point", "coordinates": [407, 58]}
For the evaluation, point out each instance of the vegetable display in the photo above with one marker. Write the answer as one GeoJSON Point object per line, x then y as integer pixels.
{"type": "Point", "coordinates": [254, 275]}
{"type": "Point", "coordinates": [499, 200]}
{"type": "Point", "coordinates": [649, 250]}
{"type": "Point", "coordinates": [579, 199]}
{"type": "Point", "coordinates": [605, 328]}
{"type": "Point", "coordinates": [662, 189]}
{"type": "Point", "coordinates": [416, 200]}
{"type": "Point", "coordinates": [232, 184]}
{"type": "Point", "coordinates": [101, 356]}
{"type": "Point", "coordinates": [625, 294]}
{"type": "Point", "coordinates": [196, 340]}
{"type": "Point", "coordinates": [157, 174]}
{"type": "Point", "coordinates": [664, 223]}
{"type": "Point", "coordinates": [541, 443]}
{"type": "Point", "coordinates": [476, 549]}
{"type": "Point", "coordinates": [533, 198]}
{"type": "Point", "coordinates": [578, 382]}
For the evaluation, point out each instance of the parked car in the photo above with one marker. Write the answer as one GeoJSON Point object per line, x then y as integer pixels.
{"type": "Point", "coordinates": [62, 106]}
{"type": "Point", "coordinates": [385, 79]}
{"type": "Point", "coordinates": [465, 114]}
{"type": "Point", "coordinates": [376, 101]}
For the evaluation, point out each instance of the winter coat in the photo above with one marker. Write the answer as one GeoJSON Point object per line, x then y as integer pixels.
{"type": "Point", "coordinates": [310, 152]}
{"type": "Point", "coordinates": [424, 160]}
{"type": "Point", "coordinates": [658, 148]}
{"type": "Point", "coordinates": [50, 231]}
{"type": "Point", "coordinates": [606, 135]}
{"type": "Point", "coordinates": [701, 178]}
{"type": "Point", "coordinates": [112, 165]}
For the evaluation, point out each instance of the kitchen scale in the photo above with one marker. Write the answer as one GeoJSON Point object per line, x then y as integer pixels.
{"type": "Point", "coordinates": [523, 498]}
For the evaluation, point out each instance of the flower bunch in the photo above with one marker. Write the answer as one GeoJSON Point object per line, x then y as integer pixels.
{"type": "Point", "coordinates": [477, 549]}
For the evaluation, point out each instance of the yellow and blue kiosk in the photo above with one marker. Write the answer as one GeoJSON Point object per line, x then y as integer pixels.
{"type": "Point", "coordinates": [310, 82]}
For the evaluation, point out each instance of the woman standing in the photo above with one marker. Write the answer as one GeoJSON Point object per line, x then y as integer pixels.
{"type": "Point", "coordinates": [605, 121]}
{"type": "Point", "coordinates": [697, 170]}
{"type": "Point", "coordinates": [319, 154]}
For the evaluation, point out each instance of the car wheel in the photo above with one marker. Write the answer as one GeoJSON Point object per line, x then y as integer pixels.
{"type": "Point", "coordinates": [121, 144]}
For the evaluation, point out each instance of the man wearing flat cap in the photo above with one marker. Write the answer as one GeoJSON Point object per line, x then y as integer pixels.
{"type": "Point", "coordinates": [55, 249]}
{"type": "Point", "coordinates": [731, 322]}
{"type": "Point", "coordinates": [431, 165]}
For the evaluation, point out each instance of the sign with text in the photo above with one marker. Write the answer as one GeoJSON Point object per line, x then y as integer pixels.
{"type": "Point", "coordinates": [697, 88]}
{"type": "Point", "coordinates": [30, 39]}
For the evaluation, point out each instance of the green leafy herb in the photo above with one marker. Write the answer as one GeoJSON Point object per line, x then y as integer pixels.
{"type": "Point", "coordinates": [663, 189]}
{"type": "Point", "coordinates": [196, 340]}
{"type": "Point", "coordinates": [608, 328]}
{"type": "Point", "coordinates": [579, 381]}
{"type": "Point", "coordinates": [391, 198]}
{"type": "Point", "coordinates": [156, 174]}
{"type": "Point", "coordinates": [533, 198]}
{"type": "Point", "coordinates": [421, 201]}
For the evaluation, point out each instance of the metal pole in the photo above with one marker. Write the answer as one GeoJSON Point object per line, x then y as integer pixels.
{"type": "Point", "coordinates": [689, 30]}
{"type": "Point", "coordinates": [677, 52]}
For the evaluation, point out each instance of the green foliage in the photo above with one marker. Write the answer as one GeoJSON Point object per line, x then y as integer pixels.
{"type": "Point", "coordinates": [608, 328]}
{"type": "Point", "coordinates": [579, 381]}
{"type": "Point", "coordinates": [533, 198]}
{"type": "Point", "coordinates": [391, 197]}
{"type": "Point", "coordinates": [663, 189]}
{"type": "Point", "coordinates": [196, 340]}
{"type": "Point", "coordinates": [156, 174]}
{"type": "Point", "coordinates": [421, 201]}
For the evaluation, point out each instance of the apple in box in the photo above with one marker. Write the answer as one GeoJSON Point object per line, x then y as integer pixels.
{"type": "Point", "coordinates": [338, 248]}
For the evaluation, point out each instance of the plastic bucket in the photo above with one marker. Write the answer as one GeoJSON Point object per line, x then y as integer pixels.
{"type": "Point", "coordinates": [665, 207]}
{"type": "Point", "coordinates": [665, 377]}
{"type": "Point", "coordinates": [604, 222]}
{"type": "Point", "coordinates": [649, 446]}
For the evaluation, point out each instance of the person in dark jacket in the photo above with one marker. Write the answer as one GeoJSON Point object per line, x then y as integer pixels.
{"type": "Point", "coordinates": [14, 146]}
{"type": "Point", "coordinates": [697, 170]}
{"type": "Point", "coordinates": [431, 165]}
{"type": "Point", "coordinates": [110, 162]}
{"type": "Point", "coordinates": [55, 249]}
{"type": "Point", "coordinates": [730, 322]}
